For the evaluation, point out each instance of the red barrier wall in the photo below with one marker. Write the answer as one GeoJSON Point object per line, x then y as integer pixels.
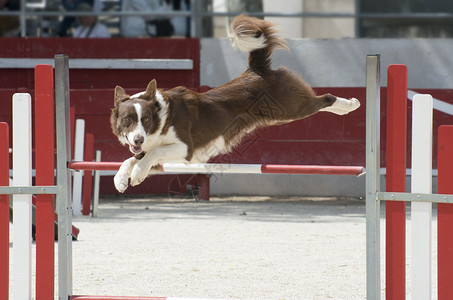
{"type": "Point", "coordinates": [103, 48]}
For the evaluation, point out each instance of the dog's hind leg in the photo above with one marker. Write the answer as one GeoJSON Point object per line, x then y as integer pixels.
{"type": "Point", "coordinates": [339, 106]}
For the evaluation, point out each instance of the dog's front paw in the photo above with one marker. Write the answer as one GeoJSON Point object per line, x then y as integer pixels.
{"type": "Point", "coordinates": [120, 180]}
{"type": "Point", "coordinates": [138, 174]}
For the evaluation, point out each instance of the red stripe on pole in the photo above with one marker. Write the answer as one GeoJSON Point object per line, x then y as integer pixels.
{"type": "Point", "coordinates": [88, 175]}
{"type": "Point", "coordinates": [445, 213]}
{"type": "Point", "coordinates": [44, 164]}
{"type": "Point", "coordinates": [320, 170]}
{"type": "Point", "coordinates": [396, 182]}
{"type": "Point", "coordinates": [4, 212]}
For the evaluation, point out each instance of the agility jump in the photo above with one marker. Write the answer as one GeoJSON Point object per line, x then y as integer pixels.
{"type": "Point", "coordinates": [62, 190]}
{"type": "Point", "coordinates": [45, 288]}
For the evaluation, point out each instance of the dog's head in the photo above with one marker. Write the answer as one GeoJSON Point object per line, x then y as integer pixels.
{"type": "Point", "coordinates": [135, 118]}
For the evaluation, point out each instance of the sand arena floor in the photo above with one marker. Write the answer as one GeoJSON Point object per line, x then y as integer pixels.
{"type": "Point", "coordinates": [241, 247]}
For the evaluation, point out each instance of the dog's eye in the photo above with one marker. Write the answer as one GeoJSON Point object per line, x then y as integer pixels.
{"type": "Point", "coordinates": [126, 121]}
{"type": "Point", "coordinates": [145, 120]}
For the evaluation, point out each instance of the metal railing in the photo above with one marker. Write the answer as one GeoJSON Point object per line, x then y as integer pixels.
{"type": "Point", "coordinates": [196, 14]}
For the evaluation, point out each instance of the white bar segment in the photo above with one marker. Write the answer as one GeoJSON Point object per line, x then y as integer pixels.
{"type": "Point", "coordinates": [212, 168]}
{"type": "Point", "coordinates": [22, 204]}
{"type": "Point", "coordinates": [79, 144]}
{"type": "Point", "coordinates": [421, 212]}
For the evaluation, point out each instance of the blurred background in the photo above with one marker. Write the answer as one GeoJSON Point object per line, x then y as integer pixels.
{"type": "Point", "coordinates": [209, 18]}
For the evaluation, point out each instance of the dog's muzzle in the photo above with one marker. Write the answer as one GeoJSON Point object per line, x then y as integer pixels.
{"type": "Point", "coordinates": [136, 146]}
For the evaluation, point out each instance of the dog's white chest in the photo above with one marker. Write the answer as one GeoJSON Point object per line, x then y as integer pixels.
{"type": "Point", "coordinates": [214, 148]}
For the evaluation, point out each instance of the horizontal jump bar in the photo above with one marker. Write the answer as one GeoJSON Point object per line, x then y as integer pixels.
{"type": "Point", "coordinates": [98, 63]}
{"type": "Point", "coordinates": [230, 168]}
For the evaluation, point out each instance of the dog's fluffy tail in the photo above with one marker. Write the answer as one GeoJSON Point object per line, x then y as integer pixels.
{"type": "Point", "coordinates": [257, 37]}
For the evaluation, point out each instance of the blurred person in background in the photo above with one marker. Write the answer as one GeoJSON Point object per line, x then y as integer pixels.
{"type": "Point", "coordinates": [154, 26]}
{"type": "Point", "coordinates": [142, 26]}
{"type": "Point", "coordinates": [9, 25]}
{"type": "Point", "coordinates": [89, 26]}
{"type": "Point", "coordinates": [72, 5]}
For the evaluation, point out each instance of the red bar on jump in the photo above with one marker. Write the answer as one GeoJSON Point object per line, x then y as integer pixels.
{"type": "Point", "coordinates": [93, 166]}
{"type": "Point", "coordinates": [44, 164]}
{"type": "Point", "coordinates": [445, 213]}
{"type": "Point", "coordinates": [4, 212]}
{"type": "Point", "coordinates": [318, 170]}
{"type": "Point", "coordinates": [396, 182]}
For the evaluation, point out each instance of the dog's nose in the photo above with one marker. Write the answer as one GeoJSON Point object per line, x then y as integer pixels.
{"type": "Point", "coordinates": [138, 140]}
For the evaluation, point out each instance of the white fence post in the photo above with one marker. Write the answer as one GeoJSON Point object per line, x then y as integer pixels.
{"type": "Point", "coordinates": [22, 204]}
{"type": "Point", "coordinates": [421, 212]}
{"type": "Point", "coordinates": [97, 178]}
{"type": "Point", "coordinates": [78, 176]}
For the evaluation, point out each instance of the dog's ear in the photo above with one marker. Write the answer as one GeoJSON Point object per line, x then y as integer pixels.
{"type": "Point", "coordinates": [151, 89]}
{"type": "Point", "coordinates": [120, 95]}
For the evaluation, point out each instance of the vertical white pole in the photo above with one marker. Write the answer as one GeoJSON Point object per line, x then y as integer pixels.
{"type": "Point", "coordinates": [421, 212]}
{"type": "Point", "coordinates": [22, 204]}
{"type": "Point", "coordinates": [78, 176]}
{"type": "Point", "coordinates": [97, 178]}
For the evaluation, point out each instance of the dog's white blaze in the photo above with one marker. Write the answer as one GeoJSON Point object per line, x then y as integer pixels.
{"type": "Point", "coordinates": [164, 107]}
{"type": "Point", "coordinates": [150, 141]}
{"type": "Point", "coordinates": [139, 130]}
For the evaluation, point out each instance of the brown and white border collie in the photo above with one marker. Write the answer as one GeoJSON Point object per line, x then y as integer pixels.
{"type": "Point", "coordinates": [182, 126]}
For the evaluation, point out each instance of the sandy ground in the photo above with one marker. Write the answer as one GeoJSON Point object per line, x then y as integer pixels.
{"type": "Point", "coordinates": [246, 248]}
{"type": "Point", "coordinates": [229, 248]}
